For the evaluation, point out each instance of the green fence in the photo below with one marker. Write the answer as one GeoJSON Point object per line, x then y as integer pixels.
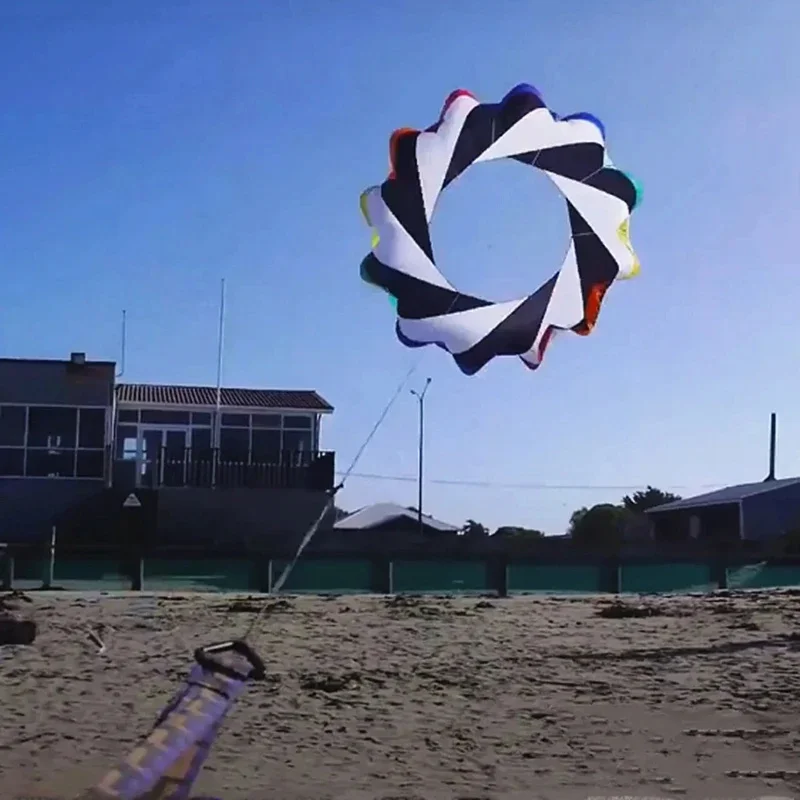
{"type": "Point", "coordinates": [204, 575]}
{"type": "Point", "coordinates": [761, 576]}
{"type": "Point", "coordinates": [554, 578]}
{"type": "Point", "coordinates": [662, 578]}
{"type": "Point", "coordinates": [353, 576]}
{"type": "Point", "coordinates": [438, 577]}
{"type": "Point", "coordinates": [324, 576]}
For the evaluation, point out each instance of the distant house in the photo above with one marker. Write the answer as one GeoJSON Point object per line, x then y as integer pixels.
{"type": "Point", "coordinates": [748, 511]}
{"type": "Point", "coordinates": [392, 517]}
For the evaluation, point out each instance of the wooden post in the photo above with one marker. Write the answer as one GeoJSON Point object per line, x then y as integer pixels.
{"type": "Point", "coordinates": [49, 576]}
{"type": "Point", "coordinates": [380, 575]}
{"type": "Point", "coordinates": [6, 568]}
{"type": "Point", "coordinates": [137, 578]}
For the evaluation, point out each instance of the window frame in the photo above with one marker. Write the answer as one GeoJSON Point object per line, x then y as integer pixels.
{"type": "Point", "coordinates": [27, 448]}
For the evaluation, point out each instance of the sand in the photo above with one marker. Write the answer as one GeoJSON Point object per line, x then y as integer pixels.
{"type": "Point", "coordinates": [372, 697]}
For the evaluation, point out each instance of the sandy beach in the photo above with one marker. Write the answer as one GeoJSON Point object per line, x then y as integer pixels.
{"type": "Point", "coordinates": [373, 697]}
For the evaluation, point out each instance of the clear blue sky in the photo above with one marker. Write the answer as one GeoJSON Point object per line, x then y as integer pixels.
{"type": "Point", "coordinates": [150, 148]}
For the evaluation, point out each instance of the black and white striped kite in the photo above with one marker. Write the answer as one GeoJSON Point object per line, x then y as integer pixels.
{"type": "Point", "coordinates": [571, 152]}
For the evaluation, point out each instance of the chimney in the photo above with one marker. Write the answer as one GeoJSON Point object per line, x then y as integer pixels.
{"type": "Point", "coordinates": [773, 429]}
{"type": "Point", "coordinates": [79, 359]}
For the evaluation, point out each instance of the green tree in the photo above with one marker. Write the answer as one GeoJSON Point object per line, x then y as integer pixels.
{"type": "Point", "coordinates": [518, 533]}
{"type": "Point", "coordinates": [575, 519]}
{"type": "Point", "coordinates": [474, 529]}
{"type": "Point", "coordinates": [641, 501]}
{"type": "Point", "coordinates": [601, 527]}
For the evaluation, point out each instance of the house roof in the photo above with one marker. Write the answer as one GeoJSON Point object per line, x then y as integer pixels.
{"type": "Point", "coordinates": [730, 495]}
{"type": "Point", "coordinates": [169, 395]}
{"type": "Point", "coordinates": [61, 361]}
{"type": "Point", "coordinates": [378, 514]}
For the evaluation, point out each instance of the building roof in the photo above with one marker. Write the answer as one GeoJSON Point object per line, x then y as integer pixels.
{"type": "Point", "coordinates": [168, 395]}
{"type": "Point", "coordinates": [730, 495]}
{"type": "Point", "coordinates": [380, 513]}
{"type": "Point", "coordinates": [61, 361]}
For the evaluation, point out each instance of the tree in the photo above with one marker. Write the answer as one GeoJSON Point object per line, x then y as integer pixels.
{"type": "Point", "coordinates": [575, 519]}
{"type": "Point", "coordinates": [474, 529]}
{"type": "Point", "coordinates": [518, 533]}
{"type": "Point", "coordinates": [641, 501]}
{"type": "Point", "coordinates": [601, 527]}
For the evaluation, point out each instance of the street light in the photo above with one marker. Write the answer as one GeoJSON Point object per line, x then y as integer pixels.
{"type": "Point", "coordinates": [421, 399]}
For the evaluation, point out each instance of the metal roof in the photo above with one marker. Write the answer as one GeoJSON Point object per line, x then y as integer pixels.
{"type": "Point", "coordinates": [372, 516]}
{"type": "Point", "coordinates": [170, 395]}
{"type": "Point", "coordinates": [730, 495]}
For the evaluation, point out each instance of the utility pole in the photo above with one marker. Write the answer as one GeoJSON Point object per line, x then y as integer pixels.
{"type": "Point", "coordinates": [421, 400]}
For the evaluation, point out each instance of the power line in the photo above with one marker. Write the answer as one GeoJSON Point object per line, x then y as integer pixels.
{"type": "Point", "coordinates": [528, 486]}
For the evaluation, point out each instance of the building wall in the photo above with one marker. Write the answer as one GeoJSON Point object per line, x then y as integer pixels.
{"type": "Point", "coordinates": [29, 505]}
{"type": "Point", "coordinates": [56, 382]}
{"type": "Point", "coordinates": [28, 508]}
{"type": "Point", "coordinates": [771, 514]}
{"type": "Point", "coordinates": [712, 523]}
{"type": "Point", "coordinates": [197, 515]}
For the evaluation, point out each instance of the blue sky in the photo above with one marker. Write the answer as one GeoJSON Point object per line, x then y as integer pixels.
{"type": "Point", "coordinates": [151, 148]}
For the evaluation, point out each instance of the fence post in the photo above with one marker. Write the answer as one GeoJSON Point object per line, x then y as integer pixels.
{"type": "Point", "coordinates": [49, 575]}
{"type": "Point", "coordinates": [380, 575]}
{"type": "Point", "coordinates": [497, 574]}
{"type": "Point", "coordinates": [6, 568]}
{"type": "Point", "coordinates": [718, 572]}
{"type": "Point", "coordinates": [611, 576]}
{"type": "Point", "coordinates": [137, 574]}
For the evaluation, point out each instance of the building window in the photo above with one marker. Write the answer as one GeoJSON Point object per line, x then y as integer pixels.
{"type": "Point", "coordinates": [126, 441]}
{"type": "Point", "coordinates": [54, 427]}
{"type": "Point", "coordinates": [92, 428]}
{"type": "Point", "coordinates": [201, 439]}
{"type": "Point", "coordinates": [266, 446]}
{"type": "Point", "coordinates": [50, 463]}
{"type": "Point", "coordinates": [12, 426]}
{"type": "Point", "coordinates": [90, 464]}
{"type": "Point", "coordinates": [259, 438]}
{"type": "Point", "coordinates": [128, 415]}
{"type": "Point", "coordinates": [235, 420]}
{"type": "Point", "coordinates": [297, 433]}
{"type": "Point", "coordinates": [12, 462]}
{"type": "Point", "coordinates": [297, 422]}
{"type": "Point", "coordinates": [52, 442]}
{"type": "Point", "coordinates": [234, 444]}
{"type": "Point", "coordinates": [297, 441]}
{"type": "Point", "coordinates": [267, 421]}
{"type": "Point", "coordinates": [158, 417]}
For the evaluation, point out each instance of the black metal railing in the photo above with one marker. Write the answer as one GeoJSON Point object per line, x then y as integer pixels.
{"type": "Point", "coordinates": [192, 467]}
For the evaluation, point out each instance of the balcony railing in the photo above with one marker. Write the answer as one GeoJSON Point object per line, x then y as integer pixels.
{"type": "Point", "coordinates": [189, 467]}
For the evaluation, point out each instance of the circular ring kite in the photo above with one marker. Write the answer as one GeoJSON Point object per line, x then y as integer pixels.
{"type": "Point", "coordinates": [571, 152]}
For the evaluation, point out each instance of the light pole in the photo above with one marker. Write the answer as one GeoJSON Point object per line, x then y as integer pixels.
{"type": "Point", "coordinates": [421, 399]}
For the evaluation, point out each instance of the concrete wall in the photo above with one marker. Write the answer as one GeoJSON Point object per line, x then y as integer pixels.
{"type": "Point", "coordinates": [28, 506]}
{"type": "Point", "coordinates": [56, 382]}
{"type": "Point", "coordinates": [187, 515]}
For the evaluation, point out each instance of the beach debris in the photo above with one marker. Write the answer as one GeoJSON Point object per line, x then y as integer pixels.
{"type": "Point", "coordinates": [254, 605]}
{"type": "Point", "coordinates": [13, 629]}
{"type": "Point", "coordinates": [11, 600]}
{"type": "Point", "coordinates": [619, 610]}
{"type": "Point", "coordinates": [328, 682]}
{"type": "Point", "coordinates": [17, 631]}
{"type": "Point", "coordinates": [95, 639]}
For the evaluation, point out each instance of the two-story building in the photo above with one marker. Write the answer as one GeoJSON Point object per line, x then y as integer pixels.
{"type": "Point", "coordinates": [240, 463]}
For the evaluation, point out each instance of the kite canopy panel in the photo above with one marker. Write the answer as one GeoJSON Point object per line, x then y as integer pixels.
{"type": "Point", "coordinates": [571, 151]}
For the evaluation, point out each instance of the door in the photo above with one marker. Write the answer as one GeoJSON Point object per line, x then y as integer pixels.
{"type": "Point", "coordinates": [163, 457]}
